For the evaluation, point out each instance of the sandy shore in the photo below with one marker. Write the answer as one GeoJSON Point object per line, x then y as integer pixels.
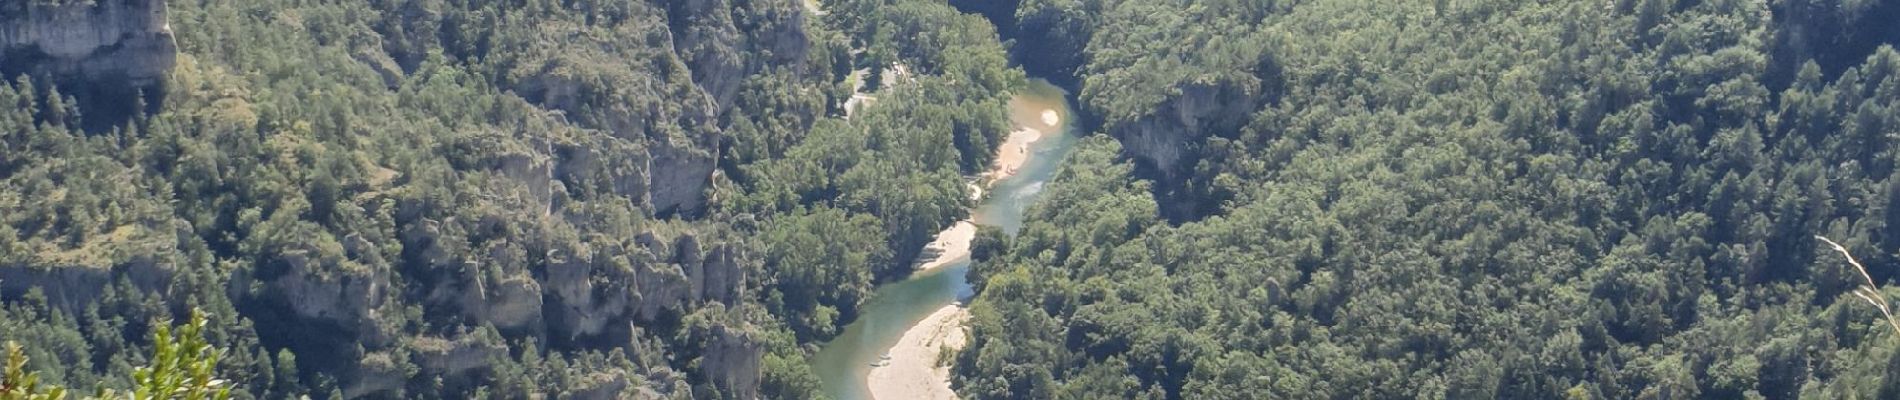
{"type": "Point", "coordinates": [1012, 154]}
{"type": "Point", "coordinates": [913, 371]}
{"type": "Point", "coordinates": [1032, 122]}
{"type": "Point", "coordinates": [952, 245]}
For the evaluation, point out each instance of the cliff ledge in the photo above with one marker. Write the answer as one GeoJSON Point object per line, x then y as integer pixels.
{"type": "Point", "coordinates": [92, 40]}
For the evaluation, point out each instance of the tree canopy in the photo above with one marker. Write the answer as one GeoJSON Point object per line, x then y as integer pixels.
{"type": "Point", "coordinates": [453, 199]}
{"type": "Point", "coordinates": [1454, 199]}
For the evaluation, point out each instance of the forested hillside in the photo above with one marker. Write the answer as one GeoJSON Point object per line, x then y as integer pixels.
{"type": "Point", "coordinates": [1453, 199]}
{"type": "Point", "coordinates": [455, 199]}
{"type": "Point", "coordinates": [683, 198]}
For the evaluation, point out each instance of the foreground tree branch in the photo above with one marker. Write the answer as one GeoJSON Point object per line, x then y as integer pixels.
{"type": "Point", "coordinates": [1870, 291]}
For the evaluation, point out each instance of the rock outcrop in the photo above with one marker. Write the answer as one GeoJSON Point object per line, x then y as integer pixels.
{"type": "Point", "coordinates": [1161, 139]}
{"type": "Point", "coordinates": [569, 294]}
{"type": "Point", "coordinates": [732, 362]}
{"type": "Point", "coordinates": [512, 302]}
{"type": "Point", "coordinates": [580, 306]}
{"type": "Point", "coordinates": [719, 277]}
{"type": "Point", "coordinates": [574, 291]}
{"type": "Point", "coordinates": [496, 289]}
{"type": "Point", "coordinates": [453, 358]}
{"type": "Point", "coordinates": [327, 291]}
{"type": "Point", "coordinates": [666, 178]}
{"type": "Point", "coordinates": [660, 146]}
{"type": "Point", "coordinates": [378, 373]}
{"type": "Point", "coordinates": [70, 289]}
{"type": "Point", "coordinates": [660, 106]}
{"type": "Point", "coordinates": [591, 292]}
{"type": "Point", "coordinates": [712, 36]}
{"type": "Point", "coordinates": [599, 386]}
{"type": "Point", "coordinates": [678, 174]}
{"type": "Point", "coordinates": [94, 40]}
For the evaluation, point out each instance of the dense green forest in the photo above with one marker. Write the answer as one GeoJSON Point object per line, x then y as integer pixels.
{"type": "Point", "coordinates": [509, 199]}
{"type": "Point", "coordinates": [1454, 199]}
{"type": "Point", "coordinates": [670, 198]}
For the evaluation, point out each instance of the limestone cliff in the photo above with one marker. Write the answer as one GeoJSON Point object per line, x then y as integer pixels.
{"type": "Point", "coordinates": [573, 294]}
{"type": "Point", "coordinates": [660, 144]}
{"type": "Point", "coordinates": [574, 291]}
{"type": "Point", "coordinates": [592, 293]}
{"type": "Point", "coordinates": [661, 104]}
{"type": "Point", "coordinates": [733, 362]}
{"type": "Point", "coordinates": [88, 39]}
{"type": "Point", "coordinates": [632, 125]}
{"type": "Point", "coordinates": [712, 37]}
{"type": "Point", "coordinates": [1164, 139]}
{"type": "Point", "coordinates": [70, 289]}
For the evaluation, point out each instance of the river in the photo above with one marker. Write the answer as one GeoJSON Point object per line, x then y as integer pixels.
{"type": "Point", "coordinates": [845, 363]}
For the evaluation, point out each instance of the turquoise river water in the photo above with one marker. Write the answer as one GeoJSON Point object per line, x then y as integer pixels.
{"type": "Point", "coordinates": [844, 363]}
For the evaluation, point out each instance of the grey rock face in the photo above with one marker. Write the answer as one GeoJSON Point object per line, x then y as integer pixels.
{"type": "Point", "coordinates": [662, 154]}
{"type": "Point", "coordinates": [378, 372]}
{"type": "Point", "coordinates": [722, 277]}
{"type": "Point", "coordinates": [678, 175]}
{"type": "Point", "coordinates": [512, 303]}
{"type": "Point", "coordinates": [580, 305]}
{"type": "Point", "coordinates": [583, 165]}
{"type": "Point", "coordinates": [71, 288]}
{"type": "Point", "coordinates": [709, 44]}
{"type": "Point", "coordinates": [533, 171]}
{"type": "Point", "coordinates": [713, 33]}
{"type": "Point", "coordinates": [317, 289]}
{"type": "Point", "coordinates": [93, 40]}
{"type": "Point", "coordinates": [590, 291]}
{"type": "Point", "coordinates": [437, 356]}
{"type": "Point", "coordinates": [1162, 137]}
{"type": "Point", "coordinates": [732, 362]}
{"type": "Point", "coordinates": [599, 386]}
{"type": "Point", "coordinates": [714, 274]}
{"type": "Point", "coordinates": [664, 169]}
